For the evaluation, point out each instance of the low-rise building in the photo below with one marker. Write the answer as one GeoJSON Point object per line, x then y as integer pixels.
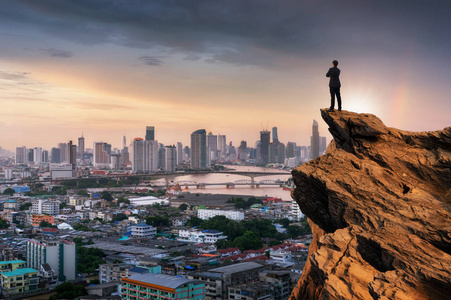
{"type": "Point", "coordinates": [200, 236]}
{"type": "Point", "coordinates": [142, 230]}
{"type": "Point", "coordinates": [113, 272]}
{"type": "Point", "coordinates": [37, 219]}
{"type": "Point", "coordinates": [11, 265]}
{"type": "Point", "coordinates": [19, 282]}
{"type": "Point", "coordinates": [205, 214]}
{"type": "Point", "coordinates": [161, 286]}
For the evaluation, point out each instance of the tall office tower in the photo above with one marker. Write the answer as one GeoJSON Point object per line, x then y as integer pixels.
{"type": "Point", "coordinates": [125, 156]}
{"type": "Point", "coordinates": [45, 156]}
{"type": "Point", "coordinates": [275, 137]}
{"type": "Point", "coordinates": [81, 145]}
{"type": "Point", "coordinates": [242, 151]}
{"type": "Point", "coordinates": [150, 133]}
{"type": "Point", "coordinates": [161, 154]}
{"type": "Point", "coordinates": [101, 157]}
{"type": "Point", "coordinates": [290, 149]}
{"type": "Point", "coordinates": [124, 142]}
{"type": "Point", "coordinates": [72, 154]}
{"type": "Point", "coordinates": [30, 154]}
{"type": "Point", "coordinates": [170, 159]}
{"type": "Point", "coordinates": [272, 153]}
{"type": "Point", "coordinates": [314, 141]}
{"type": "Point", "coordinates": [186, 153]}
{"type": "Point", "coordinates": [64, 152]}
{"type": "Point", "coordinates": [231, 151]}
{"type": "Point", "coordinates": [60, 255]}
{"type": "Point", "coordinates": [265, 137]}
{"type": "Point", "coordinates": [116, 161]}
{"type": "Point", "coordinates": [280, 153]}
{"type": "Point", "coordinates": [199, 149]}
{"type": "Point", "coordinates": [323, 144]}
{"type": "Point", "coordinates": [107, 148]}
{"type": "Point", "coordinates": [179, 153]}
{"type": "Point", "coordinates": [222, 145]}
{"type": "Point", "coordinates": [21, 155]}
{"type": "Point", "coordinates": [37, 155]}
{"type": "Point", "coordinates": [212, 144]}
{"type": "Point", "coordinates": [8, 172]}
{"type": "Point", "coordinates": [55, 155]}
{"type": "Point", "coordinates": [145, 155]}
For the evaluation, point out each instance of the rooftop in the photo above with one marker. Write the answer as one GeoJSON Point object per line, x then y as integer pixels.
{"type": "Point", "coordinates": [235, 268]}
{"type": "Point", "coordinates": [164, 280]}
{"type": "Point", "coordinates": [20, 272]}
{"type": "Point", "coordinates": [12, 262]}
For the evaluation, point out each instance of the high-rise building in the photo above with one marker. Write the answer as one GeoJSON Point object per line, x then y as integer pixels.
{"type": "Point", "coordinates": [265, 137]}
{"type": "Point", "coordinates": [64, 152]}
{"type": "Point", "coordinates": [275, 137]}
{"type": "Point", "coordinates": [314, 141]}
{"type": "Point", "coordinates": [199, 149]}
{"type": "Point", "coordinates": [161, 155]}
{"type": "Point", "coordinates": [45, 156]}
{"type": "Point", "coordinates": [116, 161]}
{"type": "Point", "coordinates": [81, 145]}
{"type": "Point", "coordinates": [290, 149]}
{"type": "Point", "coordinates": [125, 156]}
{"type": "Point", "coordinates": [101, 157]}
{"type": "Point", "coordinates": [60, 255]}
{"type": "Point", "coordinates": [242, 151]}
{"type": "Point", "coordinates": [222, 146]}
{"type": "Point", "coordinates": [323, 144]}
{"type": "Point", "coordinates": [21, 155]}
{"type": "Point", "coordinates": [280, 153]}
{"type": "Point", "coordinates": [150, 133]}
{"type": "Point", "coordinates": [124, 142]}
{"type": "Point", "coordinates": [145, 155]}
{"type": "Point", "coordinates": [37, 155]}
{"type": "Point", "coordinates": [272, 153]}
{"type": "Point", "coordinates": [8, 172]}
{"type": "Point", "coordinates": [30, 154]}
{"type": "Point", "coordinates": [55, 155]}
{"type": "Point", "coordinates": [179, 153]}
{"type": "Point", "coordinates": [170, 162]}
{"type": "Point", "coordinates": [72, 154]}
{"type": "Point", "coordinates": [212, 144]}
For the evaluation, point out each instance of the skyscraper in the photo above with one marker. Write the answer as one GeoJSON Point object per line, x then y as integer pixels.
{"type": "Point", "coordinates": [275, 137]}
{"type": "Point", "coordinates": [212, 144]}
{"type": "Point", "coordinates": [222, 145]}
{"type": "Point", "coordinates": [290, 149]}
{"type": "Point", "coordinates": [170, 159]}
{"type": "Point", "coordinates": [265, 137]}
{"type": "Point", "coordinates": [55, 154]}
{"type": "Point", "coordinates": [145, 155]}
{"type": "Point", "coordinates": [314, 141]}
{"type": "Point", "coordinates": [150, 133]}
{"type": "Point", "coordinates": [124, 142]}
{"type": "Point", "coordinates": [37, 155]}
{"type": "Point", "coordinates": [280, 153]}
{"type": "Point", "coordinates": [323, 144]}
{"type": "Point", "coordinates": [179, 153]}
{"type": "Point", "coordinates": [21, 155]}
{"type": "Point", "coordinates": [30, 153]}
{"type": "Point", "coordinates": [64, 152]}
{"type": "Point", "coordinates": [101, 157]}
{"type": "Point", "coordinates": [242, 151]}
{"type": "Point", "coordinates": [81, 145]}
{"type": "Point", "coordinates": [199, 149]}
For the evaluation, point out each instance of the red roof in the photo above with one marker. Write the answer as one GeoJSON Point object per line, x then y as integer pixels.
{"type": "Point", "coordinates": [228, 250]}
{"type": "Point", "coordinates": [260, 257]}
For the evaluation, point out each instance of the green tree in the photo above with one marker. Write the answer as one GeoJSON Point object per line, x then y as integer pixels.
{"type": "Point", "coordinates": [9, 191]}
{"type": "Point", "coordinates": [106, 196]}
{"type": "Point", "coordinates": [194, 221]}
{"type": "Point", "coordinates": [45, 224]}
{"type": "Point", "coordinates": [183, 206]}
{"type": "Point", "coordinates": [305, 226]}
{"type": "Point", "coordinates": [123, 200]}
{"type": "Point", "coordinates": [158, 221]}
{"type": "Point", "coordinates": [25, 206]}
{"type": "Point", "coordinates": [4, 224]}
{"type": "Point", "coordinates": [285, 222]}
{"type": "Point", "coordinates": [63, 205]}
{"type": "Point", "coordinates": [82, 193]}
{"type": "Point", "coordinates": [222, 244]}
{"type": "Point", "coordinates": [249, 240]}
{"type": "Point", "coordinates": [67, 290]}
{"type": "Point", "coordinates": [120, 217]}
{"type": "Point", "coordinates": [294, 231]}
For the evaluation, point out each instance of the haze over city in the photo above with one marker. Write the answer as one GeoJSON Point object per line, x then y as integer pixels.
{"type": "Point", "coordinates": [108, 68]}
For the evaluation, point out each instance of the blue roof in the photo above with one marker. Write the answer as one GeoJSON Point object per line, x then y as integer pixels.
{"type": "Point", "coordinates": [11, 201]}
{"type": "Point", "coordinates": [12, 262]}
{"type": "Point", "coordinates": [19, 272]}
{"type": "Point", "coordinates": [141, 225]}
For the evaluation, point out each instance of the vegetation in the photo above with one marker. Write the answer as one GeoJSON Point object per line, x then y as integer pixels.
{"type": "Point", "coordinates": [244, 204]}
{"type": "Point", "coordinates": [120, 217]}
{"type": "Point", "coordinates": [25, 206]}
{"type": "Point", "coordinates": [9, 191]}
{"type": "Point", "coordinates": [158, 221]}
{"type": "Point", "coordinates": [123, 200]}
{"type": "Point", "coordinates": [81, 227]}
{"type": "Point", "coordinates": [4, 224]}
{"type": "Point", "coordinates": [88, 259]}
{"type": "Point", "coordinates": [45, 224]}
{"type": "Point", "coordinates": [67, 290]}
{"type": "Point", "coordinates": [106, 196]}
{"type": "Point", "coordinates": [183, 206]}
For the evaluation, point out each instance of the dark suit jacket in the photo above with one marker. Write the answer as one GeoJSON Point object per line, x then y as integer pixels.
{"type": "Point", "coordinates": [334, 81]}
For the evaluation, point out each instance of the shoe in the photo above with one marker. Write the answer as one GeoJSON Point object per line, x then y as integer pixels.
{"type": "Point", "coordinates": [339, 109]}
{"type": "Point", "coordinates": [330, 109]}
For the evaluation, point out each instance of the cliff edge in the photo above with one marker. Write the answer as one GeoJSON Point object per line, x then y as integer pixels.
{"type": "Point", "coordinates": [379, 204]}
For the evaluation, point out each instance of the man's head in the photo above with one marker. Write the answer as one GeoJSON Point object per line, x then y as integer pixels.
{"type": "Point", "coordinates": [335, 63]}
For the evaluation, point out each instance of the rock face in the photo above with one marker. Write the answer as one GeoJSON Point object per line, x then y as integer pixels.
{"type": "Point", "coordinates": [379, 204]}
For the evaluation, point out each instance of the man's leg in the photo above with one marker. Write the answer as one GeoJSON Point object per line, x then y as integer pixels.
{"type": "Point", "coordinates": [337, 91]}
{"type": "Point", "coordinates": [332, 98]}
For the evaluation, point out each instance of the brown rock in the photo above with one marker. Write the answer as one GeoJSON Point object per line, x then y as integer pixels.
{"type": "Point", "coordinates": [379, 202]}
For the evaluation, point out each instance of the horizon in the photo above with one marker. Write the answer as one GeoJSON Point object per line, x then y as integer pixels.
{"type": "Point", "coordinates": [110, 69]}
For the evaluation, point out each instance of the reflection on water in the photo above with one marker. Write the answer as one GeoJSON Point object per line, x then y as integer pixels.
{"type": "Point", "coordinates": [269, 191]}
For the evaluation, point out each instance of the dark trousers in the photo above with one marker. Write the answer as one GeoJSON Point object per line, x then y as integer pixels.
{"type": "Point", "coordinates": [333, 92]}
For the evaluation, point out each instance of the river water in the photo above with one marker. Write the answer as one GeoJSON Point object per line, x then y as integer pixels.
{"type": "Point", "coordinates": [263, 190]}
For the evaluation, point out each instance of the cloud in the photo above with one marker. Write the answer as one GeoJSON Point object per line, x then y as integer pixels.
{"type": "Point", "coordinates": [151, 60]}
{"type": "Point", "coordinates": [99, 106]}
{"type": "Point", "coordinates": [15, 76]}
{"type": "Point", "coordinates": [52, 52]}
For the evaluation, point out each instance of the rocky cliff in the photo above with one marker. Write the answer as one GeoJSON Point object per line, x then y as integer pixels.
{"type": "Point", "coordinates": [379, 204]}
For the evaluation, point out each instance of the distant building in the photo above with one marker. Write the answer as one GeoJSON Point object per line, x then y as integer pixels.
{"type": "Point", "coordinates": [8, 173]}
{"type": "Point", "coordinates": [37, 219]}
{"type": "Point", "coordinates": [81, 145]}
{"type": "Point", "coordinates": [116, 161]}
{"type": "Point", "coordinates": [37, 155]}
{"type": "Point", "coordinates": [170, 162]}
{"type": "Point", "coordinates": [101, 156]}
{"type": "Point", "coordinates": [42, 206]}
{"type": "Point", "coordinates": [142, 230]}
{"type": "Point", "coordinates": [60, 255]}
{"type": "Point", "coordinates": [265, 137]}
{"type": "Point", "coordinates": [200, 236]}
{"type": "Point", "coordinates": [179, 153]}
{"type": "Point", "coordinates": [222, 145]}
{"type": "Point", "coordinates": [19, 282]}
{"type": "Point", "coordinates": [212, 145]}
{"type": "Point", "coordinates": [150, 133]}
{"type": "Point", "coordinates": [60, 171]}
{"type": "Point", "coordinates": [55, 155]}
{"type": "Point", "coordinates": [21, 155]}
{"type": "Point", "coordinates": [199, 149]}
{"type": "Point", "coordinates": [113, 272]}
{"type": "Point", "coordinates": [275, 137]}
{"type": "Point", "coordinates": [161, 286]}
{"type": "Point", "coordinates": [314, 141]}
{"type": "Point", "coordinates": [206, 214]}
{"type": "Point", "coordinates": [145, 155]}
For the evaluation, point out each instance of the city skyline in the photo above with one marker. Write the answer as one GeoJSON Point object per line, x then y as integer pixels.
{"type": "Point", "coordinates": [107, 68]}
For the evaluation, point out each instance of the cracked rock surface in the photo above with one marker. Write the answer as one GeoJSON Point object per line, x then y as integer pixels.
{"type": "Point", "coordinates": [379, 204]}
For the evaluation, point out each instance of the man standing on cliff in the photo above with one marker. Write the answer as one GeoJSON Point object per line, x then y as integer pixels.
{"type": "Point", "coordinates": [334, 85]}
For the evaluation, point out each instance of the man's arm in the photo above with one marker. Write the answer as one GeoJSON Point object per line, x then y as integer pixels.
{"type": "Point", "coordinates": [328, 73]}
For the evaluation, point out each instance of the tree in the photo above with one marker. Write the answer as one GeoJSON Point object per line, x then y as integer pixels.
{"type": "Point", "coordinates": [9, 191]}
{"type": "Point", "coordinates": [67, 290]}
{"type": "Point", "coordinates": [183, 206]}
{"type": "Point", "coordinates": [194, 221]}
{"type": "Point", "coordinates": [123, 200]}
{"type": "Point", "coordinates": [294, 231]}
{"type": "Point", "coordinates": [106, 196]}
{"type": "Point", "coordinates": [63, 205]}
{"type": "Point", "coordinates": [306, 226]}
{"type": "Point", "coordinates": [157, 221]}
{"type": "Point", "coordinates": [120, 217]}
{"type": "Point", "coordinates": [4, 224]}
{"type": "Point", "coordinates": [82, 193]}
{"type": "Point", "coordinates": [25, 206]}
{"type": "Point", "coordinates": [45, 224]}
{"type": "Point", "coordinates": [250, 240]}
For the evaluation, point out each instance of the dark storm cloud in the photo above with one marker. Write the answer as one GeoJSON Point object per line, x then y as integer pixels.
{"type": "Point", "coordinates": [231, 31]}
{"type": "Point", "coordinates": [151, 60]}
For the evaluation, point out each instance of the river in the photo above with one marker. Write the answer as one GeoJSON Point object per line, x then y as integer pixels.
{"type": "Point", "coordinates": [263, 190]}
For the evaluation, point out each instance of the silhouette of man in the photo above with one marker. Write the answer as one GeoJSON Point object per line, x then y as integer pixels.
{"type": "Point", "coordinates": [334, 85]}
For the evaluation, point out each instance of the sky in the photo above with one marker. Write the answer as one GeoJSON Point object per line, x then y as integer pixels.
{"type": "Point", "coordinates": [108, 68]}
